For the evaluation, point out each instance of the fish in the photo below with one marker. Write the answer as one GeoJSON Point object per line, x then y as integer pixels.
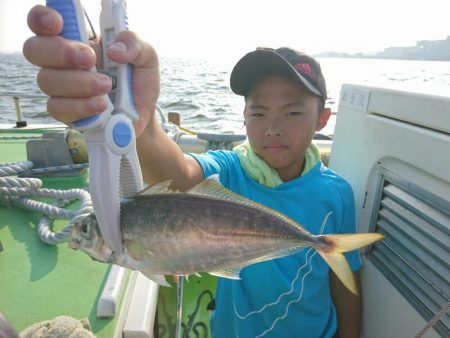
{"type": "Point", "coordinates": [208, 229]}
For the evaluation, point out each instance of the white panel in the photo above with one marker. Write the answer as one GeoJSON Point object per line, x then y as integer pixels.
{"type": "Point", "coordinates": [408, 135]}
{"type": "Point", "coordinates": [386, 312]}
{"type": "Point", "coordinates": [424, 110]}
{"type": "Point", "coordinates": [362, 140]}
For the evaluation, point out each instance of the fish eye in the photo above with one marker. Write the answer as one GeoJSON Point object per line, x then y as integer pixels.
{"type": "Point", "coordinates": [84, 229]}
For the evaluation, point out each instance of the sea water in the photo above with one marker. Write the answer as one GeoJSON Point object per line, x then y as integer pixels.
{"type": "Point", "coordinates": [199, 89]}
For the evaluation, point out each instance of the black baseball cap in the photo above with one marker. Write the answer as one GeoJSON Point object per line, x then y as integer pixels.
{"type": "Point", "coordinates": [282, 61]}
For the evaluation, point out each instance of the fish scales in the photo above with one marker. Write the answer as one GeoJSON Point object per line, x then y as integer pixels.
{"type": "Point", "coordinates": [188, 232]}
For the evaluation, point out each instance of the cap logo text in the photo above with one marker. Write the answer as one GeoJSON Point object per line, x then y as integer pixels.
{"type": "Point", "coordinates": [304, 68]}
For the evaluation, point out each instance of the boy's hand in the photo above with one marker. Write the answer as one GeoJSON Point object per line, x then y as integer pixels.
{"type": "Point", "coordinates": [76, 93]}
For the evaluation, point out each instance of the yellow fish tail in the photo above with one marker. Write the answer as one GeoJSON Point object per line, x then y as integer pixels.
{"type": "Point", "coordinates": [339, 244]}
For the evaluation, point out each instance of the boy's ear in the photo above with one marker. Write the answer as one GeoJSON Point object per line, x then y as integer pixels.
{"type": "Point", "coordinates": [323, 118]}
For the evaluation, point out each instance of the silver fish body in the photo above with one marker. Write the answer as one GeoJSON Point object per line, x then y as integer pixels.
{"type": "Point", "coordinates": [183, 234]}
{"type": "Point", "coordinates": [208, 229]}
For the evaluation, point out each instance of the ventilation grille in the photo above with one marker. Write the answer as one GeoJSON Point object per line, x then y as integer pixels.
{"type": "Point", "coordinates": [415, 255]}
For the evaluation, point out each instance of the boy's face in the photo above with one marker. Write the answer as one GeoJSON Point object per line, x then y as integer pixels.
{"type": "Point", "coordinates": [281, 119]}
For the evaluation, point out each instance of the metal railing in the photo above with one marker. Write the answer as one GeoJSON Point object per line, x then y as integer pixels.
{"type": "Point", "coordinates": [16, 97]}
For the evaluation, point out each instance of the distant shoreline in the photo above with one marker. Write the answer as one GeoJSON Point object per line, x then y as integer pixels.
{"type": "Point", "coordinates": [425, 50]}
{"type": "Point", "coordinates": [378, 57]}
{"type": "Point", "coordinates": [392, 53]}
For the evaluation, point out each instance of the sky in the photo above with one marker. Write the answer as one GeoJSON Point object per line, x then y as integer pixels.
{"type": "Point", "coordinates": [230, 28]}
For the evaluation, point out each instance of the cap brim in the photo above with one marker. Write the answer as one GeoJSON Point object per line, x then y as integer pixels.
{"type": "Point", "coordinates": [260, 62]}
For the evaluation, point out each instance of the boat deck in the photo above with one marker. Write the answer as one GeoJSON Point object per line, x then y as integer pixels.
{"type": "Point", "coordinates": [39, 282]}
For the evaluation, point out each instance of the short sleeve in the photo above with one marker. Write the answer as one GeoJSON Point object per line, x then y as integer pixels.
{"type": "Point", "coordinates": [216, 162]}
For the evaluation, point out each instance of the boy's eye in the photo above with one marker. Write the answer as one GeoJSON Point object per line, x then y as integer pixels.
{"type": "Point", "coordinates": [255, 114]}
{"type": "Point", "coordinates": [294, 113]}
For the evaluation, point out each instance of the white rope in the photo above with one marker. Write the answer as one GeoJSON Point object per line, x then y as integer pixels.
{"type": "Point", "coordinates": [14, 168]}
{"type": "Point", "coordinates": [16, 190]}
{"type": "Point", "coordinates": [433, 321]}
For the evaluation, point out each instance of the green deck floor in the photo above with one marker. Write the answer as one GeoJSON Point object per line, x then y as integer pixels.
{"type": "Point", "coordinates": [39, 282]}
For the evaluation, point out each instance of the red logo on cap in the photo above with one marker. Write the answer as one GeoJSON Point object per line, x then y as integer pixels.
{"type": "Point", "coordinates": [304, 68]}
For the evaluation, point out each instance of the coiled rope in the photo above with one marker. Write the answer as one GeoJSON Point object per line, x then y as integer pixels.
{"type": "Point", "coordinates": [16, 191]}
{"type": "Point", "coordinates": [433, 321]}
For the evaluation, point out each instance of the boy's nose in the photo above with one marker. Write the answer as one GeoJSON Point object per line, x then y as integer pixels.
{"type": "Point", "coordinates": [274, 129]}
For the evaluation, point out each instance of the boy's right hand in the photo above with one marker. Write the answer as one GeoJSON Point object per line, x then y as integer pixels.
{"type": "Point", "coordinates": [76, 93]}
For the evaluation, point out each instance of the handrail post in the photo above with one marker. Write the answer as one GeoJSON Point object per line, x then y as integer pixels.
{"type": "Point", "coordinates": [19, 122]}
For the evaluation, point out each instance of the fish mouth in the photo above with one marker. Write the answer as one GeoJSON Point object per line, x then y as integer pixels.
{"type": "Point", "coordinates": [74, 243]}
{"type": "Point", "coordinates": [106, 255]}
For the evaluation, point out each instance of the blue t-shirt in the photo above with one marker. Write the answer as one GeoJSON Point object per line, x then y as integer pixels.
{"type": "Point", "coordinates": [290, 296]}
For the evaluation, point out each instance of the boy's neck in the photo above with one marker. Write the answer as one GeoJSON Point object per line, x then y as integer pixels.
{"type": "Point", "coordinates": [289, 174]}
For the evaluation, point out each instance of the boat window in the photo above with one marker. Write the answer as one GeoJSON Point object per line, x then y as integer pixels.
{"type": "Point", "coordinates": [415, 256]}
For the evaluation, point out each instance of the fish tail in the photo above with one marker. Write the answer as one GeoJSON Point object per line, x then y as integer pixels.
{"type": "Point", "coordinates": [333, 255]}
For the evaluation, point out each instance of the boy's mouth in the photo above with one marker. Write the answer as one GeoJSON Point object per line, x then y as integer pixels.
{"type": "Point", "coordinates": [273, 148]}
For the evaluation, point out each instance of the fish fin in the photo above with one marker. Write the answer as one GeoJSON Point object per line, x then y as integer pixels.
{"type": "Point", "coordinates": [211, 187]}
{"type": "Point", "coordinates": [233, 273]}
{"type": "Point", "coordinates": [275, 255]}
{"type": "Point", "coordinates": [337, 261]}
{"type": "Point", "coordinates": [158, 279]}
{"type": "Point", "coordinates": [227, 273]}
{"type": "Point", "coordinates": [282, 253]}
{"type": "Point", "coordinates": [158, 188]}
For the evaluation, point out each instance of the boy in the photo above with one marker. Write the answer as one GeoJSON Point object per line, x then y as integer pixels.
{"type": "Point", "coordinates": [285, 92]}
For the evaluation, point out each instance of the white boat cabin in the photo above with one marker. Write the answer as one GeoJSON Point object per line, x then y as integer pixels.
{"type": "Point", "coordinates": [394, 149]}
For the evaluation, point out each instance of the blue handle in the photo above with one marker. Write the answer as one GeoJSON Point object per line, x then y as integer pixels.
{"type": "Point", "coordinates": [73, 29]}
{"type": "Point", "coordinates": [70, 10]}
{"type": "Point", "coordinates": [86, 121]}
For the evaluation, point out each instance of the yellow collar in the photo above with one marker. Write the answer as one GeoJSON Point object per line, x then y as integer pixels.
{"type": "Point", "coordinates": [258, 169]}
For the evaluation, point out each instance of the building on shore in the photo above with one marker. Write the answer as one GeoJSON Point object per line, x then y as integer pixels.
{"type": "Point", "coordinates": [435, 50]}
{"type": "Point", "coordinates": [423, 50]}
